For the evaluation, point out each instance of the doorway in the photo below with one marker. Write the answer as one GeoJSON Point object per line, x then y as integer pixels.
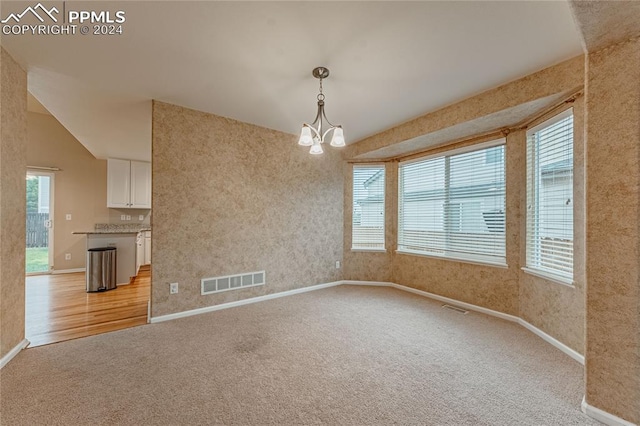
{"type": "Point", "coordinates": [39, 221]}
{"type": "Point", "coordinates": [57, 305]}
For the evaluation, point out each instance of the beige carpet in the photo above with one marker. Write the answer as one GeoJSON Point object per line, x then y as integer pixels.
{"type": "Point", "coordinates": [345, 355]}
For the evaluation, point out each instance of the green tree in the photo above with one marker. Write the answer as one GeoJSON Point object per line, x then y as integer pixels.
{"type": "Point", "coordinates": [32, 194]}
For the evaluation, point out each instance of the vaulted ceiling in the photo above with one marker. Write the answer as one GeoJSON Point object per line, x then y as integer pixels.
{"type": "Point", "coordinates": [252, 61]}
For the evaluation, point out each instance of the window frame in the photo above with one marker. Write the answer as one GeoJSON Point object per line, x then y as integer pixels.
{"type": "Point", "coordinates": [478, 259]}
{"type": "Point", "coordinates": [535, 269]}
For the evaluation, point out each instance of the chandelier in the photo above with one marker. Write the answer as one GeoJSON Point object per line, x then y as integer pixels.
{"type": "Point", "coordinates": [315, 136]}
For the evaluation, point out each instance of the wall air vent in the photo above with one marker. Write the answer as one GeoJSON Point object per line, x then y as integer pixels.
{"type": "Point", "coordinates": [455, 308]}
{"type": "Point", "coordinates": [231, 282]}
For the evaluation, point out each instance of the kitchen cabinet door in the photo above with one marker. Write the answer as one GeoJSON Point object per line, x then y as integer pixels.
{"type": "Point", "coordinates": [128, 184]}
{"type": "Point", "coordinates": [140, 185]}
{"type": "Point", "coordinates": [118, 183]}
{"type": "Point", "coordinates": [139, 251]}
{"type": "Point", "coordinates": [147, 248]}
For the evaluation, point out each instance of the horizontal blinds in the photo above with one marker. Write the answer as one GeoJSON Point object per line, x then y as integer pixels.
{"type": "Point", "coordinates": [550, 196]}
{"type": "Point", "coordinates": [454, 206]}
{"type": "Point", "coordinates": [368, 207]}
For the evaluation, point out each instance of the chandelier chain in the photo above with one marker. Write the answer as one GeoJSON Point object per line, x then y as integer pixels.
{"type": "Point", "coordinates": [320, 95]}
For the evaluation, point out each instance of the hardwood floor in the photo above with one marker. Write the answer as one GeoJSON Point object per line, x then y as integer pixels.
{"type": "Point", "coordinates": [58, 308]}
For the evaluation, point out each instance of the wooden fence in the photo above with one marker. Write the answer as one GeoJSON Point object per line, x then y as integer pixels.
{"type": "Point", "coordinates": [37, 232]}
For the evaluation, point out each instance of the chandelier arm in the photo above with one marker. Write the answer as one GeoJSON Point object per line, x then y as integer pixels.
{"type": "Point", "coordinates": [313, 129]}
{"type": "Point", "coordinates": [318, 114]}
{"type": "Point", "coordinates": [328, 130]}
{"type": "Point", "coordinates": [320, 119]}
{"type": "Point", "coordinates": [327, 120]}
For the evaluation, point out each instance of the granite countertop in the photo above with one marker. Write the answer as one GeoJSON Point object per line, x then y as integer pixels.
{"type": "Point", "coordinates": [108, 228]}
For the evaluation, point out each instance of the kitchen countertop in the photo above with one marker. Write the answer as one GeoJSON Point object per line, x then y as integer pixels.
{"type": "Point", "coordinates": [105, 228]}
{"type": "Point", "coordinates": [111, 231]}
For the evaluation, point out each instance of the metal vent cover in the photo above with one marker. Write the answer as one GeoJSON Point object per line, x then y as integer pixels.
{"type": "Point", "coordinates": [455, 308]}
{"type": "Point", "coordinates": [232, 282]}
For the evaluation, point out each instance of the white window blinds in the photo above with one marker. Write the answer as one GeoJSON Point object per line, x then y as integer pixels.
{"type": "Point", "coordinates": [454, 205]}
{"type": "Point", "coordinates": [550, 197]}
{"type": "Point", "coordinates": [368, 208]}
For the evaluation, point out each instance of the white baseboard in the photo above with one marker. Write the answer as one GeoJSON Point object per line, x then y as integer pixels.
{"type": "Point", "coordinates": [602, 416]}
{"type": "Point", "coordinates": [553, 341]}
{"type": "Point", "coordinates": [369, 283]}
{"type": "Point", "coordinates": [547, 338]}
{"type": "Point", "coordinates": [67, 271]}
{"type": "Point", "coordinates": [436, 297]}
{"type": "Point", "coordinates": [13, 352]}
{"type": "Point", "coordinates": [242, 302]}
{"type": "Point", "coordinates": [455, 302]}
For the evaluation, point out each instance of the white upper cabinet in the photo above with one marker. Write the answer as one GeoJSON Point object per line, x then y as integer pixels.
{"type": "Point", "coordinates": [118, 183]}
{"type": "Point", "coordinates": [128, 184]}
{"type": "Point", "coordinates": [140, 185]}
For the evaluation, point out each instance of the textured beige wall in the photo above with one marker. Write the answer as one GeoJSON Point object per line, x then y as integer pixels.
{"type": "Point", "coordinates": [80, 186]}
{"type": "Point", "coordinates": [230, 197]}
{"type": "Point", "coordinates": [13, 135]}
{"type": "Point", "coordinates": [613, 235]}
{"type": "Point", "coordinates": [487, 286]}
{"type": "Point", "coordinates": [603, 23]}
{"type": "Point", "coordinates": [557, 309]}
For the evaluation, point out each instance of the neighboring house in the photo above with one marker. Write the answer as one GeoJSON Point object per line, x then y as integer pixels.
{"type": "Point", "coordinates": [370, 208]}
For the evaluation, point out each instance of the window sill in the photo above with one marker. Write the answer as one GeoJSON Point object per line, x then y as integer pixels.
{"type": "Point", "coordinates": [549, 277]}
{"type": "Point", "coordinates": [368, 250]}
{"type": "Point", "coordinates": [456, 259]}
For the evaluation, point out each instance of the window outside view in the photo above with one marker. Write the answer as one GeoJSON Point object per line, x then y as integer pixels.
{"type": "Point", "coordinates": [38, 197]}
{"type": "Point", "coordinates": [368, 207]}
{"type": "Point", "coordinates": [550, 197]}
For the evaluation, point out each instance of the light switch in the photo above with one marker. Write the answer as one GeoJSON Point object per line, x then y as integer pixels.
{"type": "Point", "coordinates": [68, 216]}
{"type": "Point", "coordinates": [128, 217]}
{"type": "Point", "coordinates": [123, 217]}
{"type": "Point", "coordinates": [141, 217]}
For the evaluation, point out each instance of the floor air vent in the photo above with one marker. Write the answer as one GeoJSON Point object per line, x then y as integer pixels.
{"type": "Point", "coordinates": [455, 308]}
{"type": "Point", "coordinates": [231, 282]}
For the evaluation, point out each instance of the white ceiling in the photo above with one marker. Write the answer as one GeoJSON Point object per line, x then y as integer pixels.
{"type": "Point", "coordinates": [252, 61]}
